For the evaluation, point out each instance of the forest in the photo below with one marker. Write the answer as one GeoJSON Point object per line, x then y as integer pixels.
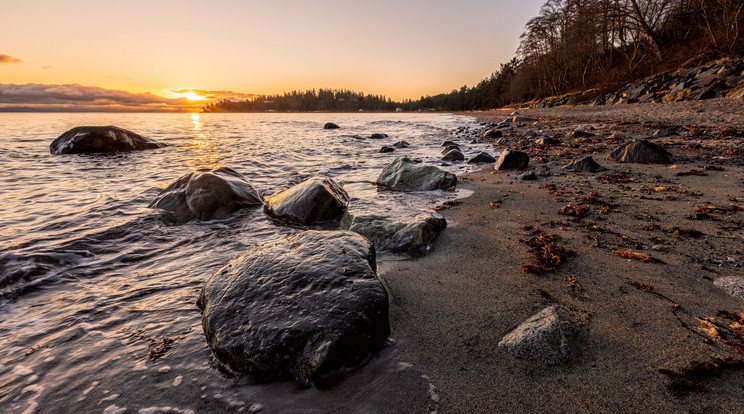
{"type": "Point", "coordinates": [572, 45]}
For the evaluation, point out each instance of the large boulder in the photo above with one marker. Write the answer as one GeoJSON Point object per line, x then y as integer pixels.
{"type": "Point", "coordinates": [100, 139]}
{"type": "Point", "coordinates": [544, 337]}
{"type": "Point", "coordinates": [316, 200]}
{"type": "Point", "coordinates": [301, 307]}
{"type": "Point", "coordinates": [642, 152]}
{"type": "Point", "coordinates": [396, 231]}
{"type": "Point", "coordinates": [406, 175]}
{"type": "Point", "coordinates": [206, 195]}
{"type": "Point", "coordinates": [512, 160]}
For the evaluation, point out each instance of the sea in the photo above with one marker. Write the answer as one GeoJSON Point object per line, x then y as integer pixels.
{"type": "Point", "coordinates": [98, 294]}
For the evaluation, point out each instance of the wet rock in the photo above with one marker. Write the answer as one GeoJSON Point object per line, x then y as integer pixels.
{"type": "Point", "coordinates": [378, 136]}
{"type": "Point", "coordinates": [512, 160]}
{"type": "Point", "coordinates": [447, 143]}
{"type": "Point", "coordinates": [642, 152]}
{"type": "Point", "coordinates": [396, 231]}
{"type": "Point", "coordinates": [330, 125]}
{"type": "Point", "coordinates": [544, 337]}
{"type": "Point", "coordinates": [406, 175]}
{"type": "Point", "coordinates": [733, 285]}
{"type": "Point", "coordinates": [449, 148]}
{"type": "Point", "coordinates": [586, 164]}
{"type": "Point", "coordinates": [482, 158]}
{"type": "Point", "coordinates": [401, 144]}
{"type": "Point", "coordinates": [518, 119]}
{"type": "Point", "coordinates": [206, 195]}
{"type": "Point", "coordinates": [453, 155]}
{"type": "Point", "coordinates": [100, 139]}
{"type": "Point", "coordinates": [665, 132]}
{"type": "Point", "coordinates": [581, 134]}
{"type": "Point", "coordinates": [386, 148]}
{"type": "Point", "coordinates": [493, 133]}
{"type": "Point", "coordinates": [527, 176]}
{"type": "Point", "coordinates": [529, 133]}
{"type": "Point", "coordinates": [316, 200]}
{"type": "Point", "coordinates": [301, 307]}
{"type": "Point", "coordinates": [547, 141]}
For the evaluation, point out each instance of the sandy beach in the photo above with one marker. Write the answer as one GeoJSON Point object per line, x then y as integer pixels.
{"type": "Point", "coordinates": [450, 308]}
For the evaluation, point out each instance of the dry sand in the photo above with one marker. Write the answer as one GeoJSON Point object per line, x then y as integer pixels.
{"type": "Point", "coordinates": [449, 309]}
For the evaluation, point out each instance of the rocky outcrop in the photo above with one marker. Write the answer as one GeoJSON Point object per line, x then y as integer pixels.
{"type": "Point", "coordinates": [642, 152]}
{"type": "Point", "coordinates": [330, 125]}
{"type": "Point", "coordinates": [301, 307]}
{"type": "Point", "coordinates": [406, 175]}
{"type": "Point", "coordinates": [586, 164]}
{"type": "Point", "coordinates": [100, 139]}
{"type": "Point", "coordinates": [316, 200]}
{"type": "Point", "coordinates": [482, 158]}
{"type": "Point", "coordinates": [544, 337]}
{"type": "Point", "coordinates": [396, 231]}
{"type": "Point", "coordinates": [206, 195]}
{"type": "Point", "coordinates": [512, 160]}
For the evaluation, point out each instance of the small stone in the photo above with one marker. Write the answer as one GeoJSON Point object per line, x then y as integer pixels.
{"type": "Point", "coordinates": [493, 133]}
{"type": "Point", "coordinates": [386, 148]}
{"type": "Point", "coordinates": [544, 337]}
{"type": "Point", "coordinates": [330, 125]}
{"type": "Point", "coordinates": [512, 160]}
{"type": "Point", "coordinates": [453, 155]}
{"type": "Point", "coordinates": [527, 176]}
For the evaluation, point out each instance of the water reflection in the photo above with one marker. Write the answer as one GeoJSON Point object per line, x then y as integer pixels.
{"type": "Point", "coordinates": [204, 152]}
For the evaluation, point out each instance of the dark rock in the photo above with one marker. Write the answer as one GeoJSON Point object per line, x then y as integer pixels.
{"type": "Point", "coordinates": [586, 164]}
{"type": "Point", "coordinates": [447, 143]}
{"type": "Point", "coordinates": [386, 148]}
{"type": "Point", "coordinates": [378, 136]}
{"type": "Point", "coordinates": [207, 195]}
{"type": "Point", "coordinates": [512, 160]}
{"type": "Point", "coordinates": [518, 119]}
{"type": "Point", "coordinates": [544, 337]}
{"type": "Point", "coordinates": [482, 158]}
{"type": "Point", "coordinates": [100, 139]}
{"type": "Point", "coordinates": [527, 176]}
{"type": "Point", "coordinates": [493, 133]}
{"type": "Point", "coordinates": [402, 144]}
{"type": "Point", "coordinates": [405, 175]}
{"type": "Point", "coordinates": [396, 231]}
{"type": "Point", "coordinates": [642, 152]}
{"type": "Point", "coordinates": [529, 133]}
{"type": "Point", "coordinates": [330, 125]}
{"type": "Point", "coordinates": [453, 155]}
{"type": "Point", "coordinates": [581, 134]}
{"type": "Point", "coordinates": [666, 132]}
{"type": "Point", "coordinates": [316, 200]}
{"type": "Point", "coordinates": [547, 141]}
{"type": "Point", "coordinates": [301, 307]}
{"type": "Point", "coordinates": [449, 148]}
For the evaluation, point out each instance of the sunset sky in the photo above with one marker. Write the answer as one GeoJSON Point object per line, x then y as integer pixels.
{"type": "Point", "coordinates": [137, 53]}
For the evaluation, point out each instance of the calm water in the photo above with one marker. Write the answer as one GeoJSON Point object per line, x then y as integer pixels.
{"type": "Point", "coordinates": [91, 280]}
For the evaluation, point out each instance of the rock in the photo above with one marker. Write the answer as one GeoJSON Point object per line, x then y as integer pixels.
{"type": "Point", "coordinates": [301, 307]}
{"type": "Point", "coordinates": [316, 200]}
{"type": "Point", "coordinates": [330, 125]}
{"type": "Point", "coordinates": [100, 139]}
{"type": "Point", "coordinates": [482, 158]}
{"type": "Point", "coordinates": [665, 132]}
{"type": "Point", "coordinates": [581, 134]}
{"type": "Point", "coordinates": [396, 231]}
{"type": "Point", "coordinates": [207, 195]}
{"type": "Point", "coordinates": [586, 164]}
{"type": "Point", "coordinates": [386, 148]}
{"type": "Point", "coordinates": [449, 148]}
{"type": "Point", "coordinates": [447, 143]}
{"type": "Point", "coordinates": [733, 285]}
{"type": "Point", "coordinates": [405, 175]}
{"type": "Point", "coordinates": [518, 119]}
{"type": "Point", "coordinates": [402, 144]}
{"type": "Point", "coordinates": [544, 337]}
{"type": "Point", "coordinates": [378, 136]}
{"type": "Point", "coordinates": [512, 160]}
{"type": "Point", "coordinates": [493, 133]}
{"type": "Point", "coordinates": [527, 176]}
{"type": "Point", "coordinates": [547, 141]}
{"type": "Point", "coordinates": [642, 152]}
{"type": "Point", "coordinates": [529, 133]}
{"type": "Point", "coordinates": [453, 155]}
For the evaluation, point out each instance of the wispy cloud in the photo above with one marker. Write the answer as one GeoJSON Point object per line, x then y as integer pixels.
{"type": "Point", "coordinates": [33, 96]}
{"type": "Point", "coordinates": [212, 95]}
{"type": "Point", "coordinates": [8, 59]}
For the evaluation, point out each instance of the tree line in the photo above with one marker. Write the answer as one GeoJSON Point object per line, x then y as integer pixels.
{"type": "Point", "coordinates": [322, 100]}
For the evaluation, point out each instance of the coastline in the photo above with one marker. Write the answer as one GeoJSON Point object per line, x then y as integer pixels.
{"type": "Point", "coordinates": [450, 309]}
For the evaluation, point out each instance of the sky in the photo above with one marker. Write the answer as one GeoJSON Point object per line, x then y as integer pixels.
{"type": "Point", "coordinates": [169, 55]}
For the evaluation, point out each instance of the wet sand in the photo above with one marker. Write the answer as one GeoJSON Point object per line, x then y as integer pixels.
{"type": "Point", "coordinates": [450, 309]}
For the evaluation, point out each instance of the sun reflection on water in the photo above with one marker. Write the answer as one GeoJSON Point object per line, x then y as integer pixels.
{"type": "Point", "coordinates": [203, 149]}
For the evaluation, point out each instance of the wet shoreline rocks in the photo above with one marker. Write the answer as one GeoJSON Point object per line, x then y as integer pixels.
{"type": "Point", "coordinates": [405, 175]}
{"type": "Point", "coordinates": [101, 139]}
{"type": "Point", "coordinates": [316, 200]}
{"type": "Point", "coordinates": [301, 307]}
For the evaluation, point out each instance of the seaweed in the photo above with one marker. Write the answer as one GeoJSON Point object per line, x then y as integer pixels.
{"type": "Point", "coordinates": [637, 256]}
{"type": "Point", "coordinates": [547, 254]}
{"type": "Point", "coordinates": [576, 210]}
{"type": "Point", "coordinates": [690, 379]}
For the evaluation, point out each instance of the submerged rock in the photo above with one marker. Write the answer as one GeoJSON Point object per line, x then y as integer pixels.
{"type": "Point", "coordinates": [406, 175]}
{"type": "Point", "coordinates": [586, 164]}
{"type": "Point", "coordinates": [378, 136]}
{"type": "Point", "coordinates": [330, 125]}
{"type": "Point", "coordinates": [642, 152]}
{"type": "Point", "coordinates": [301, 307]}
{"type": "Point", "coordinates": [482, 158]}
{"type": "Point", "coordinates": [386, 148]}
{"type": "Point", "coordinates": [100, 139]}
{"type": "Point", "coordinates": [544, 337]}
{"type": "Point", "coordinates": [453, 155]}
{"type": "Point", "coordinates": [512, 160]}
{"type": "Point", "coordinates": [402, 144]}
{"type": "Point", "coordinates": [318, 199]}
{"type": "Point", "coordinates": [449, 148]}
{"type": "Point", "coordinates": [206, 195]}
{"type": "Point", "coordinates": [396, 231]}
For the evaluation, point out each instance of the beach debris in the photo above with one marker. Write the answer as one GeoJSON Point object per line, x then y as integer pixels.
{"type": "Point", "coordinates": [297, 307]}
{"type": "Point", "coordinates": [651, 227]}
{"type": "Point", "coordinates": [586, 164]}
{"type": "Point", "coordinates": [544, 337]}
{"type": "Point", "coordinates": [642, 152]}
{"type": "Point", "coordinates": [690, 379]}
{"type": "Point", "coordinates": [158, 348]}
{"type": "Point", "coordinates": [496, 203]}
{"type": "Point", "coordinates": [642, 286]}
{"type": "Point", "coordinates": [690, 172]}
{"type": "Point", "coordinates": [101, 139]}
{"type": "Point", "coordinates": [548, 255]}
{"type": "Point", "coordinates": [575, 210]}
{"type": "Point", "coordinates": [330, 125]}
{"type": "Point", "coordinates": [405, 175]}
{"type": "Point", "coordinates": [315, 200]}
{"type": "Point", "coordinates": [621, 177]}
{"type": "Point", "coordinates": [453, 155]}
{"type": "Point", "coordinates": [206, 195]}
{"type": "Point", "coordinates": [482, 158]}
{"type": "Point", "coordinates": [625, 254]}
{"type": "Point", "coordinates": [512, 160]}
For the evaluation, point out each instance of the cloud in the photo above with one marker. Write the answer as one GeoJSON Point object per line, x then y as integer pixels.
{"type": "Point", "coordinates": [213, 95]}
{"type": "Point", "coordinates": [33, 96]}
{"type": "Point", "coordinates": [46, 67]}
{"type": "Point", "coordinates": [8, 59]}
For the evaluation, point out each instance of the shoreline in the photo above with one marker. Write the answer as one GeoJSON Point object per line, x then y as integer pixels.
{"type": "Point", "coordinates": [450, 308]}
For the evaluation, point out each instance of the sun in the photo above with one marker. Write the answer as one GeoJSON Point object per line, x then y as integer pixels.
{"type": "Point", "coordinates": [192, 96]}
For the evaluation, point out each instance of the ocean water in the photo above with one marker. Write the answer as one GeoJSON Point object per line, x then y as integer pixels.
{"type": "Point", "coordinates": [97, 293]}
